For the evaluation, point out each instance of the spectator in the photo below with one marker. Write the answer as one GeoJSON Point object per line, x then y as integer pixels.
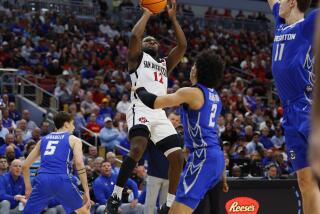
{"type": "Point", "coordinates": [236, 171]}
{"type": "Point", "coordinates": [278, 139]}
{"type": "Point", "coordinates": [87, 105]}
{"type": "Point", "coordinates": [255, 145]}
{"type": "Point", "coordinates": [103, 187]}
{"type": "Point", "coordinates": [10, 154]}
{"type": "Point", "coordinates": [97, 167]}
{"type": "Point", "coordinates": [79, 121]}
{"type": "Point", "coordinates": [229, 134]}
{"type": "Point", "coordinates": [106, 109]}
{"type": "Point", "coordinates": [9, 141]}
{"type": "Point", "coordinates": [93, 152]}
{"type": "Point", "coordinates": [7, 122]}
{"type": "Point", "coordinates": [174, 119]}
{"type": "Point", "coordinates": [12, 189]}
{"type": "Point", "coordinates": [26, 133]}
{"type": "Point", "coordinates": [3, 165]}
{"type": "Point", "coordinates": [265, 140]}
{"type": "Point", "coordinates": [221, 124]}
{"type": "Point", "coordinates": [111, 158]}
{"type": "Point", "coordinates": [272, 172]}
{"type": "Point", "coordinates": [45, 128]}
{"type": "Point", "coordinates": [30, 124]}
{"type": "Point", "coordinates": [18, 141]}
{"type": "Point", "coordinates": [3, 133]}
{"type": "Point", "coordinates": [249, 101]}
{"type": "Point", "coordinates": [269, 158]}
{"type": "Point", "coordinates": [109, 135]}
{"type": "Point", "coordinates": [35, 135]}
{"type": "Point", "coordinates": [124, 104]}
{"type": "Point", "coordinates": [63, 93]}
{"type": "Point", "coordinates": [93, 126]}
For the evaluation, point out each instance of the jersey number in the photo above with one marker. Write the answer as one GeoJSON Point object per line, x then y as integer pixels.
{"type": "Point", "coordinates": [51, 147]}
{"type": "Point", "coordinates": [213, 114]}
{"type": "Point", "coordinates": [279, 52]}
{"type": "Point", "coordinates": [158, 77]}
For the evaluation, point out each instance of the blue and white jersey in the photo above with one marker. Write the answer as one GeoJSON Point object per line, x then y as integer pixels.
{"type": "Point", "coordinates": [56, 154]}
{"type": "Point", "coordinates": [200, 126]}
{"type": "Point", "coordinates": [292, 57]}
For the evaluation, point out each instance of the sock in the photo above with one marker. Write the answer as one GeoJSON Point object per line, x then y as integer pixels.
{"type": "Point", "coordinates": [170, 199]}
{"type": "Point", "coordinates": [118, 191]}
{"type": "Point", "coordinates": [126, 169]}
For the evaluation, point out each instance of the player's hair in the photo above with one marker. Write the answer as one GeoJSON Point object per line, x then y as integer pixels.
{"type": "Point", "coordinates": [60, 118]}
{"type": "Point", "coordinates": [210, 69]}
{"type": "Point", "coordinates": [2, 157]}
{"type": "Point", "coordinates": [303, 5]}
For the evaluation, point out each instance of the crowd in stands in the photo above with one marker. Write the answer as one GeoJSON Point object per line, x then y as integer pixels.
{"type": "Point", "coordinates": [83, 63]}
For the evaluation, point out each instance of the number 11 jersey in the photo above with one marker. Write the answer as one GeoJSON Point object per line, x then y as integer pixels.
{"type": "Point", "coordinates": [292, 57]}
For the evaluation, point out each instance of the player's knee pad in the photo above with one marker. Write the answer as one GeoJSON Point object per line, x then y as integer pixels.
{"type": "Point", "coordinates": [169, 144]}
{"type": "Point", "coordinates": [139, 131]}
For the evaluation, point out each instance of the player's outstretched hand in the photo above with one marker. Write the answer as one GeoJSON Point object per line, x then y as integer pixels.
{"type": "Point", "coordinates": [173, 9]}
{"type": "Point", "coordinates": [146, 10]}
{"type": "Point", "coordinates": [314, 152]}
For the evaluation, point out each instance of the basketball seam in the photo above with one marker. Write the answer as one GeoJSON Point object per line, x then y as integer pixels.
{"type": "Point", "coordinates": [153, 2]}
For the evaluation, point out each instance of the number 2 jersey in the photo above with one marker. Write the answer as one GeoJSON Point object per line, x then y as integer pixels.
{"type": "Point", "coordinates": [56, 154]}
{"type": "Point", "coordinates": [200, 126]}
{"type": "Point", "coordinates": [150, 74]}
{"type": "Point", "coordinates": [292, 57]}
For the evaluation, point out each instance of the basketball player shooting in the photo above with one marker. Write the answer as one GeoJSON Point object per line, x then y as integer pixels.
{"type": "Point", "coordinates": [292, 69]}
{"type": "Point", "coordinates": [200, 109]}
{"type": "Point", "coordinates": [151, 71]}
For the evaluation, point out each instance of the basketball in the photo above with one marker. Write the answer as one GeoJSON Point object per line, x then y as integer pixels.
{"type": "Point", "coordinates": [155, 6]}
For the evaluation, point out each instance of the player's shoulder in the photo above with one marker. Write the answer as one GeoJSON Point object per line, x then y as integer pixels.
{"type": "Point", "coordinates": [73, 140]}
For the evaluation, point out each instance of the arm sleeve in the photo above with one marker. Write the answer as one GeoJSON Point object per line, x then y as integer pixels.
{"type": "Point", "coordinates": [275, 12]}
{"type": "Point", "coordinates": [134, 187]}
{"type": "Point", "coordinates": [98, 192]}
{"type": "Point", "coordinates": [308, 26]}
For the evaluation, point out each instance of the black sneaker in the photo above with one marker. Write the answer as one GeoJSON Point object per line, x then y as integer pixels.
{"type": "Point", "coordinates": [164, 209]}
{"type": "Point", "coordinates": [113, 204]}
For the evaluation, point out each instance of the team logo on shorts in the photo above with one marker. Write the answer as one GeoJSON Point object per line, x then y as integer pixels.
{"type": "Point", "coordinates": [143, 120]}
{"type": "Point", "coordinates": [292, 155]}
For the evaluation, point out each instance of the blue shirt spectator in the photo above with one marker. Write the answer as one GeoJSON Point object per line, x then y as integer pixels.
{"type": "Point", "coordinates": [104, 184]}
{"type": "Point", "coordinates": [264, 139]}
{"type": "Point", "coordinates": [254, 145]}
{"type": "Point", "coordinates": [3, 132]}
{"type": "Point", "coordinates": [109, 135]}
{"type": "Point", "coordinates": [9, 141]}
{"type": "Point", "coordinates": [12, 187]}
{"type": "Point", "coordinates": [278, 139]}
